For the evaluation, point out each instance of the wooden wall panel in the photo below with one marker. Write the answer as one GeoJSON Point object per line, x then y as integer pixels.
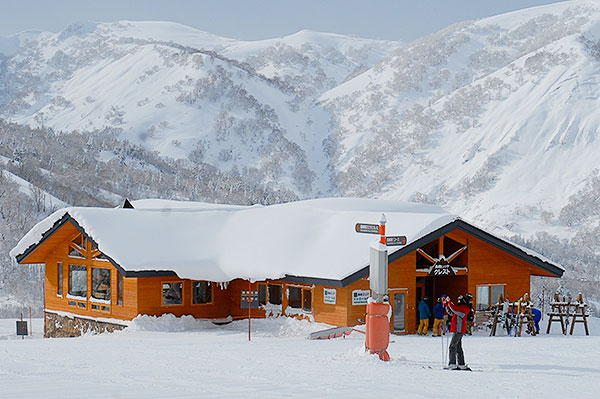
{"type": "Point", "coordinates": [149, 296]}
{"type": "Point", "coordinates": [334, 314]}
{"type": "Point", "coordinates": [490, 265]}
{"type": "Point", "coordinates": [402, 274]}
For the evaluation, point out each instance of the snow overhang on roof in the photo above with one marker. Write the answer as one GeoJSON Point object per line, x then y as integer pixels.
{"type": "Point", "coordinates": [312, 239]}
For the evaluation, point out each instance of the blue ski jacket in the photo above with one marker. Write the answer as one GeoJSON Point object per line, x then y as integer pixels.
{"type": "Point", "coordinates": [438, 311]}
{"type": "Point", "coordinates": [424, 311]}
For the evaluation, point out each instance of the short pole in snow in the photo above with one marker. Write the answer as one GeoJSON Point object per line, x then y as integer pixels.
{"type": "Point", "coordinates": [30, 323]}
{"type": "Point", "coordinates": [249, 309]}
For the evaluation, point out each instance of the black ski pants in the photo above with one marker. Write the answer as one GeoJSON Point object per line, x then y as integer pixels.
{"type": "Point", "coordinates": [456, 350]}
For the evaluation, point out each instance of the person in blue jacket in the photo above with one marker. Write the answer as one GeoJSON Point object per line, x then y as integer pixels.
{"type": "Point", "coordinates": [438, 318]}
{"type": "Point", "coordinates": [537, 316]}
{"type": "Point", "coordinates": [424, 314]}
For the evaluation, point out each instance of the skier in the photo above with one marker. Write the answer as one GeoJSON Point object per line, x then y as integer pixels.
{"type": "Point", "coordinates": [424, 314]}
{"type": "Point", "coordinates": [438, 315]}
{"type": "Point", "coordinates": [458, 327]}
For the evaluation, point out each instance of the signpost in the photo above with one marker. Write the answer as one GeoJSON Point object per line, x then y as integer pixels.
{"type": "Point", "coordinates": [395, 240]}
{"type": "Point", "coordinates": [378, 307]}
{"type": "Point", "coordinates": [367, 228]}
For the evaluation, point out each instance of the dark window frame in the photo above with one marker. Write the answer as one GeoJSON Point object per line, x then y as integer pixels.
{"type": "Point", "coordinates": [305, 297]}
{"type": "Point", "coordinates": [208, 288]}
{"type": "Point", "coordinates": [80, 268]}
{"type": "Point", "coordinates": [270, 296]}
{"type": "Point", "coordinates": [59, 283]}
{"type": "Point", "coordinates": [96, 285]}
{"type": "Point", "coordinates": [181, 293]}
{"type": "Point", "coordinates": [490, 295]}
{"type": "Point", "coordinates": [119, 288]}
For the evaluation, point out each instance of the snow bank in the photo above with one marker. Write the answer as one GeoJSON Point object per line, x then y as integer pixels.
{"type": "Point", "coordinates": [269, 327]}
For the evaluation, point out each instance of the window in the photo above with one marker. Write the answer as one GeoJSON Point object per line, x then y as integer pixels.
{"type": "Point", "coordinates": [295, 297]}
{"type": "Point", "coordinates": [275, 294]}
{"type": "Point", "coordinates": [78, 280]}
{"type": "Point", "coordinates": [59, 283]}
{"type": "Point", "coordinates": [119, 289]}
{"type": "Point", "coordinates": [101, 284]}
{"type": "Point", "coordinates": [171, 293]}
{"type": "Point", "coordinates": [201, 292]}
{"type": "Point", "coordinates": [306, 300]}
{"type": "Point", "coordinates": [487, 295]}
{"type": "Point", "coordinates": [300, 298]}
{"type": "Point", "coordinates": [262, 294]}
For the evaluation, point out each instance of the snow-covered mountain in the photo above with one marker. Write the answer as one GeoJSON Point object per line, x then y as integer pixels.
{"type": "Point", "coordinates": [184, 92]}
{"type": "Point", "coordinates": [495, 119]}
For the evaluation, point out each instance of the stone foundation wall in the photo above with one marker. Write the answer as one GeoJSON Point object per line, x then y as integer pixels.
{"type": "Point", "coordinates": [58, 326]}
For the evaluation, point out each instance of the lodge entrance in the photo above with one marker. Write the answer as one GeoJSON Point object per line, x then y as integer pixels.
{"type": "Point", "coordinates": [442, 268]}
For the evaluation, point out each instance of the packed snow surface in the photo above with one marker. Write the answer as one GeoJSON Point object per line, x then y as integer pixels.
{"type": "Point", "coordinates": [187, 358]}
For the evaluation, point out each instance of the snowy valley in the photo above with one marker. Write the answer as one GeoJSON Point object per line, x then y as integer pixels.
{"type": "Point", "coordinates": [495, 120]}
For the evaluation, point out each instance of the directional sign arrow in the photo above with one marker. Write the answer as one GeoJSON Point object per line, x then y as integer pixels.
{"type": "Point", "coordinates": [367, 228]}
{"type": "Point", "coordinates": [395, 240]}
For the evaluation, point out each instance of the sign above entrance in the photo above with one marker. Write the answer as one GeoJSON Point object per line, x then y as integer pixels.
{"type": "Point", "coordinates": [441, 269]}
{"type": "Point", "coordinates": [367, 228]}
{"type": "Point", "coordinates": [395, 240]}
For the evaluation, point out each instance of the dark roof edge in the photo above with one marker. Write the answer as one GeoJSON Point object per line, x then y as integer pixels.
{"type": "Point", "coordinates": [510, 248]}
{"type": "Point", "coordinates": [312, 280]}
{"type": "Point", "coordinates": [467, 228]}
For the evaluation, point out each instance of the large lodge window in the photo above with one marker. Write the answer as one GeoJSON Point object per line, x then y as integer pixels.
{"type": "Point", "coordinates": [487, 295]}
{"type": "Point", "coordinates": [201, 292]}
{"type": "Point", "coordinates": [59, 283]}
{"type": "Point", "coordinates": [78, 281]}
{"type": "Point", "coordinates": [119, 288]}
{"type": "Point", "coordinates": [270, 293]}
{"type": "Point", "coordinates": [172, 293]}
{"type": "Point", "coordinates": [101, 284]}
{"type": "Point", "coordinates": [300, 298]}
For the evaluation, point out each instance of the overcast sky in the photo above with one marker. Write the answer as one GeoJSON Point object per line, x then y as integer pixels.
{"type": "Point", "coordinates": [260, 19]}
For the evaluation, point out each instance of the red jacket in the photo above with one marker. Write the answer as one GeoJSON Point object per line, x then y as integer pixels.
{"type": "Point", "coordinates": [459, 319]}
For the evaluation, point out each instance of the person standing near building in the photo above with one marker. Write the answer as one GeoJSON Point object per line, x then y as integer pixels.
{"type": "Point", "coordinates": [438, 318]}
{"type": "Point", "coordinates": [470, 319]}
{"type": "Point", "coordinates": [424, 314]}
{"type": "Point", "coordinates": [458, 328]}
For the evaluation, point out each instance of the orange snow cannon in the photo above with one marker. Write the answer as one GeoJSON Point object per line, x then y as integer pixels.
{"type": "Point", "coordinates": [378, 329]}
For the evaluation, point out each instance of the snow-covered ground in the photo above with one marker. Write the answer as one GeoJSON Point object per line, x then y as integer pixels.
{"type": "Point", "coordinates": [180, 358]}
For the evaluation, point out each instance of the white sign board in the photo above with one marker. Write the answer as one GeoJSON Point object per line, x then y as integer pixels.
{"type": "Point", "coordinates": [360, 297]}
{"type": "Point", "coordinates": [329, 295]}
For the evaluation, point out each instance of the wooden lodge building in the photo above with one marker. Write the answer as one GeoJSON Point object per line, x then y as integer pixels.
{"type": "Point", "coordinates": [105, 266]}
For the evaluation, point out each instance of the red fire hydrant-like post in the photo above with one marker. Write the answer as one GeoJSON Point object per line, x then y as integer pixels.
{"type": "Point", "coordinates": [378, 307]}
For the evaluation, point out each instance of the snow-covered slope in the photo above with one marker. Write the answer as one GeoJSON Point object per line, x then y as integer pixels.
{"type": "Point", "coordinates": [495, 119]}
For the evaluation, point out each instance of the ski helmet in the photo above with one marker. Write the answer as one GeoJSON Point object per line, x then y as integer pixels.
{"type": "Point", "coordinates": [468, 298]}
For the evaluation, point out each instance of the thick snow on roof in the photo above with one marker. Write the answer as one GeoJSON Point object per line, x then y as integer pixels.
{"type": "Point", "coordinates": [313, 238]}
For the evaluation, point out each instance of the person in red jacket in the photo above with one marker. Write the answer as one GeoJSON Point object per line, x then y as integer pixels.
{"type": "Point", "coordinates": [458, 328]}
